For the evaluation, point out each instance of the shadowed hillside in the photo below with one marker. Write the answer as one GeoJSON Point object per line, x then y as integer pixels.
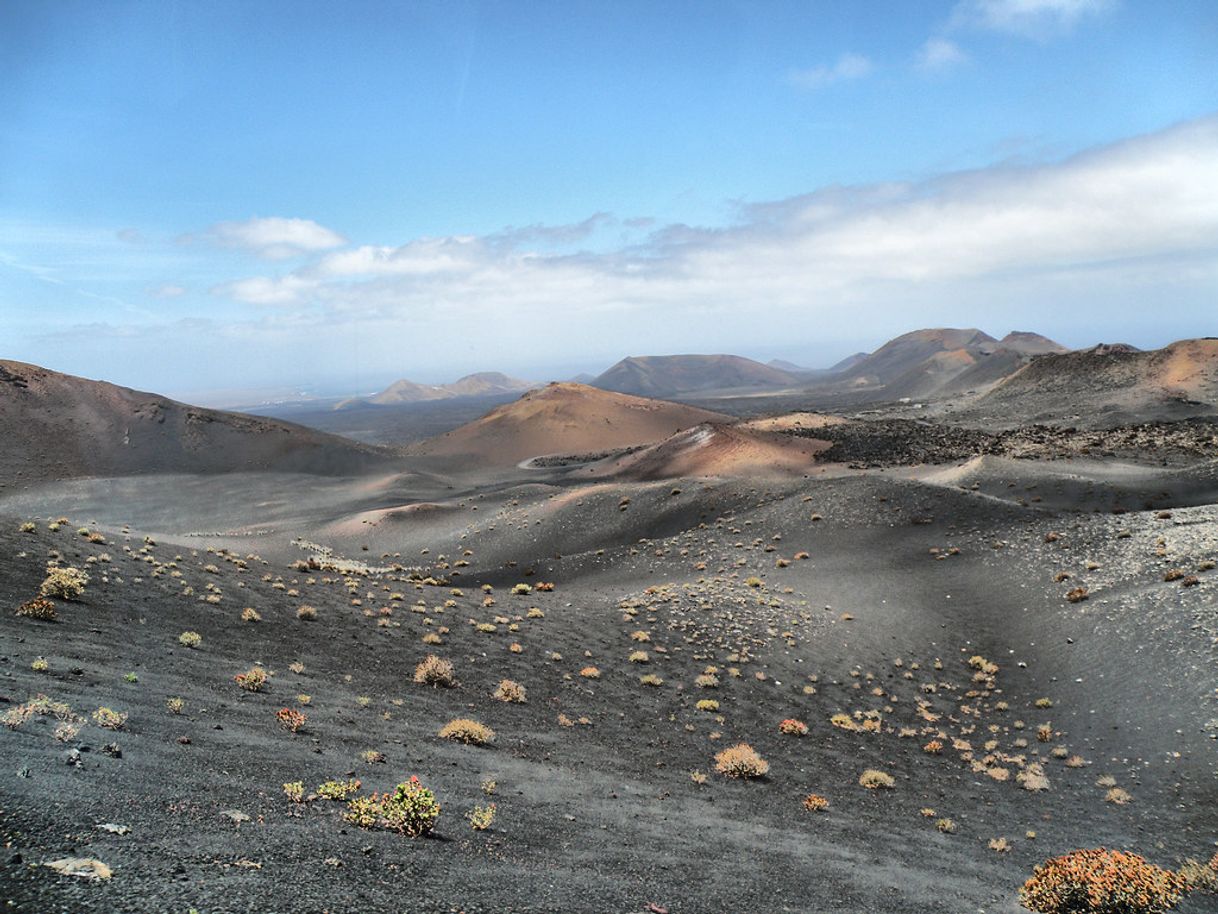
{"type": "Point", "coordinates": [58, 426]}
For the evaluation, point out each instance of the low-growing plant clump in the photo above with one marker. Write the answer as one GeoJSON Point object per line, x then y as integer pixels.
{"type": "Point", "coordinates": [64, 583]}
{"type": "Point", "coordinates": [109, 719]}
{"type": "Point", "coordinates": [436, 672]}
{"type": "Point", "coordinates": [741, 761]}
{"type": "Point", "coordinates": [252, 680]}
{"type": "Point", "coordinates": [481, 818]}
{"type": "Point", "coordinates": [411, 809]}
{"type": "Point", "coordinates": [38, 608]}
{"type": "Point", "coordinates": [470, 732]}
{"type": "Point", "coordinates": [874, 779]}
{"type": "Point", "coordinates": [338, 790]}
{"type": "Point", "coordinates": [510, 691]}
{"type": "Point", "coordinates": [291, 719]}
{"type": "Point", "coordinates": [814, 802]}
{"type": "Point", "coordinates": [1100, 881]}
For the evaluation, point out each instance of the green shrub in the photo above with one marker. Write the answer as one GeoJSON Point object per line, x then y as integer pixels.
{"type": "Point", "coordinates": [252, 680]}
{"type": "Point", "coordinates": [109, 719]}
{"type": "Point", "coordinates": [338, 790]}
{"type": "Point", "coordinates": [480, 818]}
{"type": "Point", "coordinates": [410, 810]}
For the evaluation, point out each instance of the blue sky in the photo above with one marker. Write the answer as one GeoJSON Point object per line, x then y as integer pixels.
{"type": "Point", "coordinates": [209, 197]}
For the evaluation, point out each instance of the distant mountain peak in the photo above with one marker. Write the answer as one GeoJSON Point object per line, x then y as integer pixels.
{"type": "Point", "coordinates": [675, 375]}
{"type": "Point", "coordinates": [478, 384]}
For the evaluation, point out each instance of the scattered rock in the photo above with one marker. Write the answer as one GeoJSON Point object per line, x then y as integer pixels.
{"type": "Point", "coordinates": [84, 867]}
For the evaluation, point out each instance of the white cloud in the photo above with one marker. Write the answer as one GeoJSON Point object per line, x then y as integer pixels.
{"type": "Point", "coordinates": [1146, 207]}
{"type": "Point", "coordinates": [167, 290]}
{"type": "Point", "coordinates": [1039, 19]}
{"type": "Point", "coordinates": [940, 54]}
{"type": "Point", "coordinates": [275, 237]}
{"type": "Point", "coordinates": [264, 290]}
{"type": "Point", "coordinates": [847, 67]}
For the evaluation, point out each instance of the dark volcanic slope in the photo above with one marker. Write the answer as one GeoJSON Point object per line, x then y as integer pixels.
{"type": "Point", "coordinates": [59, 426]}
{"type": "Point", "coordinates": [673, 375]}
{"type": "Point", "coordinates": [1110, 384]}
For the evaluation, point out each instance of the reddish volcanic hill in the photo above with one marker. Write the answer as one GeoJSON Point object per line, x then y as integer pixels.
{"type": "Point", "coordinates": [718, 450]}
{"type": "Point", "coordinates": [59, 426]}
{"type": "Point", "coordinates": [564, 418]}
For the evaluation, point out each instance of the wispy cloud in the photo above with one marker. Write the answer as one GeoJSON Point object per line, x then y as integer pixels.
{"type": "Point", "coordinates": [167, 290]}
{"type": "Point", "coordinates": [274, 237]}
{"type": "Point", "coordinates": [939, 54]}
{"type": "Point", "coordinates": [847, 67]}
{"type": "Point", "coordinates": [554, 234]}
{"type": "Point", "coordinates": [1039, 19]}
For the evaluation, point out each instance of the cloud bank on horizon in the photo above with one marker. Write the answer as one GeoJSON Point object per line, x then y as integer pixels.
{"type": "Point", "coordinates": [1118, 238]}
{"type": "Point", "coordinates": [1013, 241]}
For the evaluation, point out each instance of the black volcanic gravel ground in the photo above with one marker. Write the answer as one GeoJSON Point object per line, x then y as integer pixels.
{"type": "Point", "coordinates": [604, 816]}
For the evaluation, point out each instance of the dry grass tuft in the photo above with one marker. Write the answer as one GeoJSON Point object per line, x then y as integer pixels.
{"type": "Point", "coordinates": [874, 779]}
{"type": "Point", "coordinates": [38, 608]}
{"type": "Point", "coordinates": [510, 691]}
{"type": "Point", "coordinates": [470, 732]}
{"type": "Point", "coordinates": [741, 761]}
{"type": "Point", "coordinates": [1101, 881]}
{"type": "Point", "coordinates": [435, 671]}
